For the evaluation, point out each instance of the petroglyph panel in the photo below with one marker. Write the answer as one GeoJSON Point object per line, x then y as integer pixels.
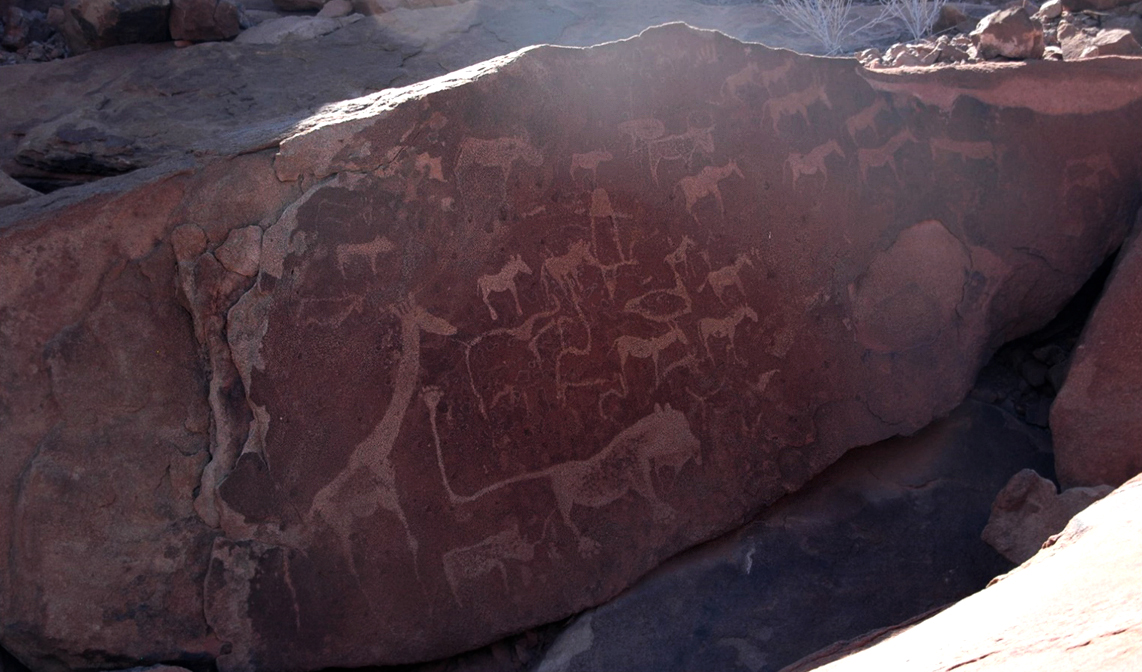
{"type": "Point", "coordinates": [599, 305]}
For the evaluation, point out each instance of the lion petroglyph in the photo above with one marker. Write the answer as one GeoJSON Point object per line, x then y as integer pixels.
{"type": "Point", "coordinates": [724, 327]}
{"type": "Point", "coordinates": [885, 155]}
{"type": "Point", "coordinates": [468, 563]}
{"type": "Point", "coordinates": [705, 183]}
{"type": "Point", "coordinates": [646, 348]}
{"type": "Point", "coordinates": [813, 162]}
{"type": "Point", "coordinates": [629, 462]}
{"type": "Point", "coordinates": [347, 253]}
{"type": "Point", "coordinates": [504, 281]}
{"type": "Point", "coordinates": [727, 276]}
{"type": "Point", "coordinates": [338, 504]}
{"type": "Point", "coordinates": [681, 146]}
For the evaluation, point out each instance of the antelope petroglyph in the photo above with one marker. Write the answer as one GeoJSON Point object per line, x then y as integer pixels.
{"type": "Point", "coordinates": [346, 253]}
{"type": "Point", "coordinates": [504, 281]}
{"type": "Point", "coordinates": [813, 162]}
{"type": "Point", "coordinates": [646, 348]}
{"type": "Point", "coordinates": [705, 183]}
{"type": "Point", "coordinates": [864, 119]}
{"type": "Point", "coordinates": [797, 103]}
{"type": "Point", "coordinates": [723, 327]}
{"type": "Point", "coordinates": [727, 276]}
{"type": "Point", "coordinates": [885, 155]}
{"type": "Point", "coordinates": [472, 562]}
{"type": "Point", "coordinates": [501, 153]}
{"type": "Point", "coordinates": [627, 463]}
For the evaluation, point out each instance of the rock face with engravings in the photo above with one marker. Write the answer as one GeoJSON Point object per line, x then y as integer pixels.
{"type": "Point", "coordinates": [466, 357]}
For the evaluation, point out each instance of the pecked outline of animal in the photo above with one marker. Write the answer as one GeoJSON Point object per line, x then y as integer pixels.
{"type": "Point", "coordinates": [705, 183]}
{"type": "Point", "coordinates": [813, 162]}
{"type": "Point", "coordinates": [504, 281]}
{"type": "Point", "coordinates": [628, 462]}
{"type": "Point", "coordinates": [721, 279]}
{"type": "Point", "coordinates": [682, 145]}
{"type": "Point", "coordinates": [646, 348]}
{"type": "Point", "coordinates": [484, 557]}
{"type": "Point", "coordinates": [724, 327]}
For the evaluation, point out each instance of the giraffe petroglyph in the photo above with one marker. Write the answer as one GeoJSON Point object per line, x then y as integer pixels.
{"type": "Point", "coordinates": [724, 327]}
{"type": "Point", "coordinates": [681, 146]}
{"type": "Point", "coordinates": [705, 183]}
{"type": "Point", "coordinates": [885, 155]}
{"type": "Point", "coordinates": [813, 162]}
{"type": "Point", "coordinates": [372, 454]}
{"type": "Point", "coordinates": [727, 276]}
{"type": "Point", "coordinates": [646, 348]}
{"type": "Point", "coordinates": [628, 462]}
{"type": "Point", "coordinates": [504, 281]}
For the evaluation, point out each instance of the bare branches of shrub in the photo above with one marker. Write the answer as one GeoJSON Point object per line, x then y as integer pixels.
{"type": "Point", "coordinates": [831, 22]}
{"type": "Point", "coordinates": [916, 15]}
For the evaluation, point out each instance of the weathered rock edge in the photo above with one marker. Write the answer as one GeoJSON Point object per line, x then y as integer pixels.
{"type": "Point", "coordinates": [410, 383]}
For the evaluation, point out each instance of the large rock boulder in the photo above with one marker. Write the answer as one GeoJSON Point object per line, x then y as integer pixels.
{"type": "Point", "coordinates": [888, 532]}
{"type": "Point", "coordinates": [1074, 606]}
{"type": "Point", "coordinates": [97, 24]}
{"type": "Point", "coordinates": [474, 355]}
{"type": "Point", "coordinates": [1097, 417]}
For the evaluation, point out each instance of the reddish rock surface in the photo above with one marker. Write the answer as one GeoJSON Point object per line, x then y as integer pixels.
{"type": "Point", "coordinates": [202, 20]}
{"type": "Point", "coordinates": [1029, 510]}
{"type": "Point", "coordinates": [1097, 417]}
{"type": "Point", "coordinates": [498, 344]}
{"type": "Point", "coordinates": [1075, 606]}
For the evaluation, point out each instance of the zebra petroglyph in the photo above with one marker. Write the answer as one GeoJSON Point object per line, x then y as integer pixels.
{"type": "Point", "coordinates": [885, 155]}
{"type": "Point", "coordinates": [797, 103]}
{"type": "Point", "coordinates": [865, 119]}
{"type": "Point", "coordinates": [504, 281]}
{"type": "Point", "coordinates": [627, 463]}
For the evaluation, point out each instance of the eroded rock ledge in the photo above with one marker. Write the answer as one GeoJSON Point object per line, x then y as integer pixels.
{"type": "Point", "coordinates": [474, 355]}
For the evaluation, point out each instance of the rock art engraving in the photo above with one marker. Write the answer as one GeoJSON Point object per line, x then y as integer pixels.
{"type": "Point", "coordinates": [646, 348]}
{"type": "Point", "coordinates": [739, 80]}
{"type": "Point", "coordinates": [705, 183]}
{"type": "Point", "coordinates": [885, 155]}
{"type": "Point", "coordinates": [797, 103]}
{"type": "Point", "coordinates": [976, 150]}
{"type": "Point", "coordinates": [724, 327]}
{"type": "Point", "coordinates": [681, 146]}
{"type": "Point", "coordinates": [725, 277]}
{"type": "Point", "coordinates": [472, 562]}
{"type": "Point", "coordinates": [500, 153]}
{"type": "Point", "coordinates": [865, 119]}
{"type": "Point", "coordinates": [813, 162]}
{"type": "Point", "coordinates": [642, 131]}
{"type": "Point", "coordinates": [776, 74]}
{"type": "Point", "coordinates": [655, 304]}
{"type": "Point", "coordinates": [504, 281]}
{"type": "Point", "coordinates": [627, 463]}
{"type": "Point", "coordinates": [590, 162]}
{"type": "Point", "coordinates": [372, 454]}
{"type": "Point", "coordinates": [347, 253]}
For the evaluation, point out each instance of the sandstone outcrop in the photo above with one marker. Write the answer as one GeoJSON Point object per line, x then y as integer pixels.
{"type": "Point", "coordinates": [1097, 417]}
{"type": "Point", "coordinates": [1074, 606]}
{"type": "Point", "coordinates": [1029, 510]}
{"type": "Point", "coordinates": [421, 375]}
{"type": "Point", "coordinates": [889, 532]}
